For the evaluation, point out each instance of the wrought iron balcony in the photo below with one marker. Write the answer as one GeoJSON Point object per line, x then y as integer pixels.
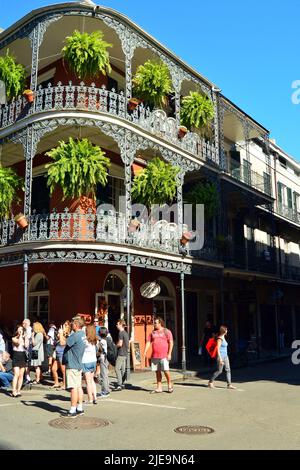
{"type": "Point", "coordinates": [253, 257]}
{"type": "Point", "coordinates": [100, 100]}
{"type": "Point", "coordinates": [290, 272]}
{"type": "Point", "coordinates": [288, 213]}
{"type": "Point", "coordinates": [245, 174]}
{"type": "Point", "coordinates": [108, 227]}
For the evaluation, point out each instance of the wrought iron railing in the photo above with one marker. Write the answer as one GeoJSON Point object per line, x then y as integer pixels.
{"type": "Point", "coordinates": [253, 257]}
{"type": "Point", "coordinates": [100, 100]}
{"type": "Point", "coordinates": [108, 227]}
{"type": "Point", "coordinates": [245, 174]}
{"type": "Point", "coordinates": [288, 213]}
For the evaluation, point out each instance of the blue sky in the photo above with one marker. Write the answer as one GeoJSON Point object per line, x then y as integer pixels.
{"type": "Point", "coordinates": [249, 49]}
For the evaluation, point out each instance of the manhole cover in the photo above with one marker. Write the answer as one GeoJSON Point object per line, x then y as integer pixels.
{"type": "Point", "coordinates": [194, 430]}
{"type": "Point", "coordinates": [78, 423]}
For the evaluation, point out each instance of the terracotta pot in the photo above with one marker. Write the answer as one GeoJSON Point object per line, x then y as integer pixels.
{"type": "Point", "coordinates": [133, 103]}
{"type": "Point", "coordinates": [137, 168]}
{"type": "Point", "coordinates": [29, 97]}
{"type": "Point", "coordinates": [21, 221]}
{"type": "Point", "coordinates": [133, 225]}
{"type": "Point", "coordinates": [186, 237]}
{"type": "Point", "coordinates": [182, 131]}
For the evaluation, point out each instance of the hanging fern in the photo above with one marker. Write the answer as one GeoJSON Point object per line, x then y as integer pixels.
{"type": "Point", "coordinates": [77, 168]}
{"type": "Point", "coordinates": [196, 110]}
{"type": "Point", "coordinates": [12, 74]}
{"type": "Point", "coordinates": [152, 83]}
{"type": "Point", "coordinates": [204, 193]}
{"type": "Point", "coordinates": [10, 183]}
{"type": "Point", "coordinates": [87, 54]}
{"type": "Point", "coordinates": [156, 184]}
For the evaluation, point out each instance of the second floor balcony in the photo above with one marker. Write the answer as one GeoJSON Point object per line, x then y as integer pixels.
{"type": "Point", "coordinates": [99, 101]}
{"type": "Point", "coordinates": [288, 213]}
{"type": "Point", "coordinates": [245, 174]}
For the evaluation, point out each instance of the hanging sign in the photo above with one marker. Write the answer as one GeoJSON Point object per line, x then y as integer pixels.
{"type": "Point", "coordinates": [150, 290]}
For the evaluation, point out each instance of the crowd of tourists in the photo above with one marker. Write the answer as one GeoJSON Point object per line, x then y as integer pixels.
{"type": "Point", "coordinates": [75, 351]}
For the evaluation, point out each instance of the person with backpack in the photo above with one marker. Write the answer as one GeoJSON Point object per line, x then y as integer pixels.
{"type": "Point", "coordinates": [162, 343]}
{"type": "Point", "coordinates": [123, 346]}
{"type": "Point", "coordinates": [220, 352]}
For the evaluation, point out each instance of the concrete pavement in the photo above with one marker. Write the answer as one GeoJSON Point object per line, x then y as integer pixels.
{"type": "Point", "coordinates": [263, 413]}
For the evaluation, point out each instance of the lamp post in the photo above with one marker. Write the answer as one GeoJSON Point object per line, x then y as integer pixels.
{"type": "Point", "coordinates": [183, 348]}
{"type": "Point", "coordinates": [128, 301]}
{"type": "Point", "coordinates": [25, 270]}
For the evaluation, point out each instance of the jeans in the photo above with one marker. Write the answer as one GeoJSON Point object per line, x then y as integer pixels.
{"type": "Point", "coordinates": [219, 370]}
{"type": "Point", "coordinates": [104, 374]}
{"type": "Point", "coordinates": [121, 369]}
{"type": "Point", "coordinates": [5, 379]}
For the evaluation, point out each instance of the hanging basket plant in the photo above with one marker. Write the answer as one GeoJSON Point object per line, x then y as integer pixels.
{"type": "Point", "coordinates": [156, 184]}
{"type": "Point", "coordinates": [204, 193]}
{"type": "Point", "coordinates": [77, 168]}
{"type": "Point", "coordinates": [12, 74]}
{"type": "Point", "coordinates": [86, 54]}
{"type": "Point", "coordinates": [10, 184]}
{"type": "Point", "coordinates": [197, 111]}
{"type": "Point", "coordinates": [152, 83]}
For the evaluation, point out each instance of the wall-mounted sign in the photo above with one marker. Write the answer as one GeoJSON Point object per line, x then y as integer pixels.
{"type": "Point", "coordinates": [150, 290]}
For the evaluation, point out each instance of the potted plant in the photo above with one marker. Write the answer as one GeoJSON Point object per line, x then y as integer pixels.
{"type": "Point", "coordinates": [10, 184]}
{"type": "Point", "coordinates": [152, 83]}
{"type": "Point", "coordinates": [12, 74]}
{"type": "Point", "coordinates": [186, 237]}
{"type": "Point", "coordinates": [133, 103]}
{"type": "Point", "coordinates": [29, 95]}
{"type": "Point", "coordinates": [205, 193]}
{"type": "Point", "coordinates": [86, 54]}
{"type": "Point", "coordinates": [156, 184]}
{"type": "Point", "coordinates": [21, 220]}
{"type": "Point", "coordinates": [197, 110]}
{"type": "Point", "coordinates": [182, 131]}
{"type": "Point", "coordinates": [77, 168]}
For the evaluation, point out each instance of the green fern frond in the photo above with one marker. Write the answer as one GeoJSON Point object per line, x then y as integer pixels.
{"type": "Point", "coordinates": [10, 183]}
{"type": "Point", "coordinates": [152, 83]}
{"type": "Point", "coordinates": [78, 166]}
{"type": "Point", "coordinates": [87, 54]}
{"type": "Point", "coordinates": [196, 111]}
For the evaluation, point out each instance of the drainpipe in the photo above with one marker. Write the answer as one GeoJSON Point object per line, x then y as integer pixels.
{"type": "Point", "coordinates": [25, 270]}
{"type": "Point", "coordinates": [183, 348]}
{"type": "Point", "coordinates": [128, 271]}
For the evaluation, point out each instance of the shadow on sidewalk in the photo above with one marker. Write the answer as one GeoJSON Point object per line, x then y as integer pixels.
{"type": "Point", "coordinates": [44, 406]}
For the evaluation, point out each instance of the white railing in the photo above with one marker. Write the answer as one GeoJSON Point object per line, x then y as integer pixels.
{"type": "Point", "coordinates": [100, 100]}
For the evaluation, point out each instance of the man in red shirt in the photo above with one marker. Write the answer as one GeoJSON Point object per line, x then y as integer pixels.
{"type": "Point", "coordinates": [162, 343]}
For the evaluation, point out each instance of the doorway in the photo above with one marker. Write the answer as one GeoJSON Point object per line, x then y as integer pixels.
{"type": "Point", "coordinates": [113, 286]}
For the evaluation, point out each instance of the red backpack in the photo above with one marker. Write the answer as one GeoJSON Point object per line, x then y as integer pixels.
{"type": "Point", "coordinates": [211, 347]}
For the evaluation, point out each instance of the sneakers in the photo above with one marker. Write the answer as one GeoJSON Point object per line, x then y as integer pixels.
{"type": "Point", "coordinates": [70, 415]}
{"type": "Point", "coordinates": [79, 413]}
{"type": "Point", "coordinates": [103, 394]}
{"type": "Point", "coordinates": [118, 389]}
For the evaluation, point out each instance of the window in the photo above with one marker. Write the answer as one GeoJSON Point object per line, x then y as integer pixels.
{"type": "Point", "coordinates": [282, 162]}
{"type": "Point", "coordinates": [296, 201]}
{"type": "Point", "coordinates": [40, 195]}
{"type": "Point", "coordinates": [38, 303]}
{"type": "Point", "coordinates": [280, 192]}
{"type": "Point", "coordinates": [110, 193]}
{"type": "Point", "coordinates": [289, 198]}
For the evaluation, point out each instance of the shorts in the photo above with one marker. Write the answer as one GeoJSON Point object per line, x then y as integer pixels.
{"type": "Point", "coordinates": [73, 378]}
{"type": "Point", "coordinates": [89, 367]}
{"type": "Point", "coordinates": [159, 364]}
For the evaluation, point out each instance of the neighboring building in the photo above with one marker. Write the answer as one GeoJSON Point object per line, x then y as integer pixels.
{"type": "Point", "coordinates": [247, 274]}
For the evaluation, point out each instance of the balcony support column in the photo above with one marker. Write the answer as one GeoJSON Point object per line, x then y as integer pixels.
{"type": "Point", "coordinates": [222, 158]}
{"type": "Point", "coordinates": [180, 181]}
{"type": "Point", "coordinates": [25, 271]}
{"type": "Point", "coordinates": [215, 101]}
{"type": "Point", "coordinates": [36, 38]}
{"type": "Point", "coordinates": [128, 150]}
{"type": "Point", "coordinates": [246, 138]}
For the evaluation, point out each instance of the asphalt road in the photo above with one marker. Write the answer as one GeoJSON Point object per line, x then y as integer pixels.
{"type": "Point", "coordinates": [263, 413]}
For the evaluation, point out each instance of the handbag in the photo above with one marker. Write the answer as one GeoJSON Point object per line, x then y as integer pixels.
{"type": "Point", "coordinates": [34, 354]}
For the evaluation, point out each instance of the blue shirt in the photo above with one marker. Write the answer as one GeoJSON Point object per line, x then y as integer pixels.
{"type": "Point", "coordinates": [223, 348]}
{"type": "Point", "coordinates": [74, 350]}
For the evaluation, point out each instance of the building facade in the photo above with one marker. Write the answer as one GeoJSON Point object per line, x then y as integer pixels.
{"type": "Point", "coordinates": [247, 272]}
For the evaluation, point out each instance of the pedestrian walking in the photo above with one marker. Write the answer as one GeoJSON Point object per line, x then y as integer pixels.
{"type": "Point", "coordinates": [162, 343]}
{"type": "Point", "coordinates": [208, 332]}
{"type": "Point", "coordinates": [102, 354]}
{"type": "Point", "coordinates": [222, 359]}
{"type": "Point", "coordinates": [123, 346]}
{"type": "Point", "coordinates": [62, 335]}
{"type": "Point", "coordinates": [89, 362]}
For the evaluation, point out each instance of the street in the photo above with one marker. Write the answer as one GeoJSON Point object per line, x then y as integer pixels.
{"type": "Point", "coordinates": [262, 413]}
